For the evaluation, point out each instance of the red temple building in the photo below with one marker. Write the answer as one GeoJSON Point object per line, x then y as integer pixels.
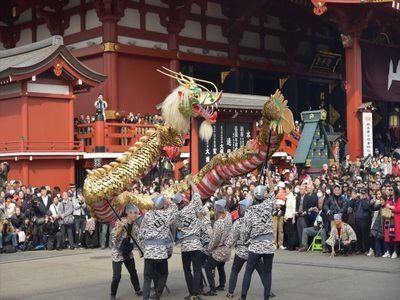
{"type": "Point", "coordinates": [316, 52]}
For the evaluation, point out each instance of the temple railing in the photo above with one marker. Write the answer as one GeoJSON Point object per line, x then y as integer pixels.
{"type": "Point", "coordinates": [40, 146]}
{"type": "Point", "coordinates": [114, 137]}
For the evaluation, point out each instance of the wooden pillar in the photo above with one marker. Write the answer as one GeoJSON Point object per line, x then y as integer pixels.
{"type": "Point", "coordinates": [194, 147]}
{"type": "Point", "coordinates": [25, 171]}
{"type": "Point", "coordinates": [353, 97]}
{"type": "Point", "coordinates": [110, 62]}
{"type": "Point", "coordinates": [72, 171]}
{"type": "Point", "coordinates": [174, 65]}
{"type": "Point", "coordinates": [71, 120]}
{"type": "Point", "coordinates": [99, 136]}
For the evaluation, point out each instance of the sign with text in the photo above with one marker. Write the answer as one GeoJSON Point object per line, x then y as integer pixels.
{"type": "Point", "coordinates": [227, 136]}
{"type": "Point", "coordinates": [368, 146]}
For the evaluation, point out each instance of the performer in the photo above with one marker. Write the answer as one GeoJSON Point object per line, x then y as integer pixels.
{"type": "Point", "coordinates": [238, 239]}
{"type": "Point", "coordinates": [258, 228]}
{"type": "Point", "coordinates": [220, 253]}
{"type": "Point", "coordinates": [189, 227]}
{"type": "Point", "coordinates": [205, 238]}
{"type": "Point", "coordinates": [122, 249]}
{"type": "Point", "coordinates": [156, 235]}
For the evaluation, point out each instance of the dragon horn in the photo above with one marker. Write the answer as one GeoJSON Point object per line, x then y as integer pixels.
{"type": "Point", "coordinates": [181, 81]}
{"type": "Point", "coordinates": [186, 78]}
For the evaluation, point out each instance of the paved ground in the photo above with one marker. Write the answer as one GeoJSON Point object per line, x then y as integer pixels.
{"type": "Point", "coordinates": [86, 274]}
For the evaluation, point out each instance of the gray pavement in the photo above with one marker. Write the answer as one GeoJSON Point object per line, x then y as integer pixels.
{"type": "Point", "coordinates": [86, 274]}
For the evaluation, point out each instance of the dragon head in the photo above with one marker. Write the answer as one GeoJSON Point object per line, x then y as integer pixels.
{"type": "Point", "coordinates": [190, 99]}
{"type": "Point", "coordinates": [278, 114]}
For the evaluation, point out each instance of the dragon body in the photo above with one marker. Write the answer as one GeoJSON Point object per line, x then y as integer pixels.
{"type": "Point", "coordinates": [107, 186]}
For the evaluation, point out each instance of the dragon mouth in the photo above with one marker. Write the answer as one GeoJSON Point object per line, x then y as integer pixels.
{"type": "Point", "coordinates": [208, 113]}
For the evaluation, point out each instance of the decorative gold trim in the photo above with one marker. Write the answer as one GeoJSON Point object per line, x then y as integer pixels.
{"type": "Point", "coordinates": [110, 47]}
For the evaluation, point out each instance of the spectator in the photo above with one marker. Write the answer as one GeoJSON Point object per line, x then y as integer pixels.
{"type": "Point", "coordinates": [278, 215]}
{"type": "Point", "coordinates": [55, 208]}
{"type": "Point", "coordinates": [301, 211]}
{"type": "Point", "coordinates": [9, 206]}
{"type": "Point", "coordinates": [185, 170]}
{"type": "Point", "coordinates": [79, 218]}
{"type": "Point", "coordinates": [90, 233]}
{"type": "Point", "coordinates": [51, 232]}
{"type": "Point", "coordinates": [45, 198]}
{"type": "Point", "coordinates": [38, 213]}
{"type": "Point", "coordinates": [290, 229]}
{"type": "Point", "coordinates": [7, 234]}
{"type": "Point", "coordinates": [336, 204]}
{"type": "Point", "coordinates": [342, 238]}
{"type": "Point", "coordinates": [362, 221]}
{"type": "Point", "coordinates": [317, 224]}
{"type": "Point", "coordinates": [66, 220]}
{"type": "Point", "coordinates": [4, 169]}
{"type": "Point", "coordinates": [104, 234]}
{"type": "Point", "coordinates": [392, 225]}
{"type": "Point", "coordinates": [376, 225]}
{"type": "Point", "coordinates": [17, 219]}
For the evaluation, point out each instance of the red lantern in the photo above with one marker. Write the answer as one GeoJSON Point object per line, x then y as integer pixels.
{"type": "Point", "coordinates": [171, 151]}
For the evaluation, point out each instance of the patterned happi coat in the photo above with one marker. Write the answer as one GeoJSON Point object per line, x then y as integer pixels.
{"type": "Point", "coordinates": [257, 222]}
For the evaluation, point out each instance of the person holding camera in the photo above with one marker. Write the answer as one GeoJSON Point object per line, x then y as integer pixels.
{"type": "Point", "coordinates": [79, 217]}
{"type": "Point", "coordinates": [66, 220]}
{"type": "Point", "coordinates": [335, 204]}
{"type": "Point", "coordinates": [38, 212]}
{"type": "Point", "coordinates": [121, 253]}
{"type": "Point", "coordinates": [318, 224]}
{"type": "Point", "coordinates": [7, 234]}
{"type": "Point", "coordinates": [51, 232]}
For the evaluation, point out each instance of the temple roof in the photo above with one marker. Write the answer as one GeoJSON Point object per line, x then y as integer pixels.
{"type": "Point", "coordinates": [24, 62]}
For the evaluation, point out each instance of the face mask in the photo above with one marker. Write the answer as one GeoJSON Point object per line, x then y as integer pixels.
{"type": "Point", "coordinates": [319, 194]}
{"type": "Point", "coordinates": [275, 188]}
{"type": "Point", "coordinates": [328, 192]}
{"type": "Point", "coordinates": [296, 190]}
{"type": "Point", "coordinates": [38, 194]}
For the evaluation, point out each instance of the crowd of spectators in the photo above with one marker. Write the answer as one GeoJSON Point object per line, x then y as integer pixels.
{"type": "Point", "coordinates": [352, 207]}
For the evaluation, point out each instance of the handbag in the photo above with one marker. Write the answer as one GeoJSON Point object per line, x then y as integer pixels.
{"type": "Point", "coordinates": [387, 213]}
{"type": "Point", "coordinates": [69, 220]}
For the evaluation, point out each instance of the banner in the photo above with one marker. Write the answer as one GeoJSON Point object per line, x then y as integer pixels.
{"type": "Point", "coordinates": [368, 146]}
{"type": "Point", "coordinates": [227, 136]}
{"type": "Point", "coordinates": [380, 72]}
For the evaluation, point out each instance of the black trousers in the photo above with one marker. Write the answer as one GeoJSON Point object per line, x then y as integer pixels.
{"type": "Point", "coordinates": [291, 239]}
{"type": "Point", "coordinates": [253, 260]}
{"type": "Point", "coordinates": [236, 267]}
{"type": "Point", "coordinates": [341, 248]}
{"type": "Point", "coordinates": [193, 282]}
{"type": "Point", "coordinates": [362, 228]}
{"type": "Point", "coordinates": [301, 223]}
{"type": "Point", "coordinates": [210, 266]}
{"type": "Point", "coordinates": [37, 234]}
{"type": "Point", "coordinates": [79, 225]}
{"type": "Point", "coordinates": [54, 241]}
{"type": "Point", "coordinates": [67, 228]}
{"type": "Point", "coordinates": [130, 266]}
{"type": "Point", "coordinates": [156, 270]}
